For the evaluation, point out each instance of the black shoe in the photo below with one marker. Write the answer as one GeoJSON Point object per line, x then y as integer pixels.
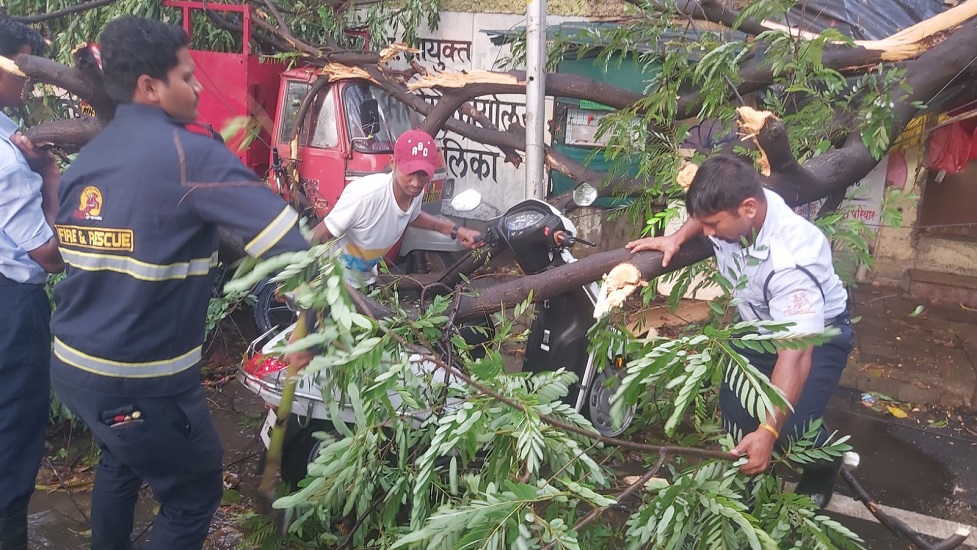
{"type": "Point", "coordinates": [13, 531]}
{"type": "Point", "coordinates": [818, 481]}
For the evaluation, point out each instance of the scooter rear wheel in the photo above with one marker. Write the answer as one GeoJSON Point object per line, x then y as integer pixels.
{"type": "Point", "coordinates": [271, 312]}
{"type": "Point", "coordinates": [598, 406]}
{"type": "Point", "coordinates": [299, 450]}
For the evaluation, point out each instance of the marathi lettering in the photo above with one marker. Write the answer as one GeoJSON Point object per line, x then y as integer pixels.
{"type": "Point", "coordinates": [460, 161]}
{"type": "Point", "coordinates": [436, 51]}
{"type": "Point", "coordinates": [500, 113]}
{"type": "Point", "coordinates": [862, 214]}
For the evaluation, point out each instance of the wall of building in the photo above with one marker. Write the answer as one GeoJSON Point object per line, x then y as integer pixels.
{"type": "Point", "coordinates": [459, 44]}
{"type": "Point", "coordinates": [899, 249]}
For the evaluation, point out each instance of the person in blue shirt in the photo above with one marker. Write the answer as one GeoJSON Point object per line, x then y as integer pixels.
{"type": "Point", "coordinates": [28, 252]}
{"type": "Point", "coordinates": [141, 206]}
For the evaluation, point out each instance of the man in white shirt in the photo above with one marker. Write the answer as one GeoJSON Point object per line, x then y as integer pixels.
{"type": "Point", "coordinates": [373, 211]}
{"type": "Point", "coordinates": [28, 252]}
{"type": "Point", "coordinates": [785, 263]}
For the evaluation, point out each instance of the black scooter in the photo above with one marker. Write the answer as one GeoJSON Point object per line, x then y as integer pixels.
{"type": "Point", "coordinates": [539, 237]}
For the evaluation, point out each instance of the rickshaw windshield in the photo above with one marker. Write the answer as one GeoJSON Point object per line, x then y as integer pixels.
{"type": "Point", "coordinates": [374, 118]}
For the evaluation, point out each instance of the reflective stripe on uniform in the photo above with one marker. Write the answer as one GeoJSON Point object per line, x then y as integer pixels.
{"type": "Point", "coordinates": [145, 271]}
{"type": "Point", "coordinates": [106, 367]}
{"type": "Point", "coordinates": [273, 233]}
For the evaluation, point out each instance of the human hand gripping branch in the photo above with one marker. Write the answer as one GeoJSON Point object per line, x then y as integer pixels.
{"type": "Point", "coordinates": [789, 375]}
{"type": "Point", "coordinates": [668, 245]}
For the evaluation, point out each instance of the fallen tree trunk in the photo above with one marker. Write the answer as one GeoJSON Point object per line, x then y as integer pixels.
{"type": "Point", "coordinates": [83, 80]}
{"type": "Point", "coordinates": [549, 284]}
{"type": "Point", "coordinates": [935, 72]}
{"type": "Point", "coordinates": [565, 278]}
{"type": "Point", "coordinates": [941, 67]}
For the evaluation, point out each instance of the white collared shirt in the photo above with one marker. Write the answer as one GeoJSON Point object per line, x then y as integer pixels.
{"type": "Point", "coordinates": [791, 261]}
{"type": "Point", "coordinates": [22, 224]}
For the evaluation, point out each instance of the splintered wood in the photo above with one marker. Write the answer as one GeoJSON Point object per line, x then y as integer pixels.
{"type": "Point", "coordinates": [390, 52]}
{"type": "Point", "coordinates": [910, 42]}
{"type": "Point", "coordinates": [460, 80]}
{"type": "Point", "coordinates": [338, 71]}
{"type": "Point", "coordinates": [750, 123]}
{"type": "Point", "coordinates": [686, 174]}
{"type": "Point", "coordinates": [620, 283]}
{"type": "Point", "coordinates": [8, 65]}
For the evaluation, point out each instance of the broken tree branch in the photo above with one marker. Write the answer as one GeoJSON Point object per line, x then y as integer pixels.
{"type": "Point", "coordinates": [931, 74]}
{"type": "Point", "coordinates": [467, 109]}
{"type": "Point", "coordinates": [30, 19]}
{"type": "Point", "coordinates": [562, 279]}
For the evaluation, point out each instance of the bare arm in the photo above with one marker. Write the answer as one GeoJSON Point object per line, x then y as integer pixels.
{"type": "Point", "coordinates": [469, 238]}
{"type": "Point", "coordinates": [789, 374]}
{"type": "Point", "coordinates": [668, 245]}
{"type": "Point", "coordinates": [321, 234]}
{"type": "Point", "coordinates": [691, 228]}
{"type": "Point", "coordinates": [48, 256]}
{"type": "Point", "coordinates": [434, 223]}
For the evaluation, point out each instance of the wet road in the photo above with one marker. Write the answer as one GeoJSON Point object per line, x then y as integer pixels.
{"type": "Point", "coordinates": [59, 521]}
{"type": "Point", "coordinates": [902, 466]}
{"type": "Point", "coordinates": [907, 467]}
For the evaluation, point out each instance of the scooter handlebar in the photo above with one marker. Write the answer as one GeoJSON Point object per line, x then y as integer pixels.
{"type": "Point", "coordinates": [565, 238]}
{"type": "Point", "coordinates": [574, 240]}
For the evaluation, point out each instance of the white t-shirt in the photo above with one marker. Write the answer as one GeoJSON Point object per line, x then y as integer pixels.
{"type": "Point", "coordinates": [368, 221]}
{"type": "Point", "coordinates": [788, 271]}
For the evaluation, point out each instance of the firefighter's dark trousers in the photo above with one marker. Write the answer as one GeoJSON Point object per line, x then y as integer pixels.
{"type": "Point", "coordinates": [25, 349]}
{"type": "Point", "coordinates": [172, 446]}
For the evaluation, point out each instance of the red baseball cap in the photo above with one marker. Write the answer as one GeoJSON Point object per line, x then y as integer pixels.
{"type": "Point", "coordinates": [415, 151]}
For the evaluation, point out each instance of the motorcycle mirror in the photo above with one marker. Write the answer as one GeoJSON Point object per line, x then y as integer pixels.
{"type": "Point", "coordinates": [466, 201]}
{"type": "Point", "coordinates": [584, 194]}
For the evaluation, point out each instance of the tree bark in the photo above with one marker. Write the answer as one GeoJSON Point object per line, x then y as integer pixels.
{"type": "Point", "coordinates": [945, 65]}
{"type": "Point", "coordinates": [562, 279]}
{"type": "Point", "coordinates": [559, 280]}
{"type": "Point", "coordinates": [70, 134]}
{"type": "Point", "coordinates": [934, 72]}
{"type": "Point", "coordinates": [85, 81]}
{"type": "Point", "coordinates": [31, 19]}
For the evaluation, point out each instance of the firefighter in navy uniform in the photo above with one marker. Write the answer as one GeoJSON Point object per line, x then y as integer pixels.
{"type": "Point", "coordinates": [138, 223]}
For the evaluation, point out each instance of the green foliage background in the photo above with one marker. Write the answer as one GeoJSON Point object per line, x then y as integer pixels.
{"type": "Point", "coordinates": [490, 462]}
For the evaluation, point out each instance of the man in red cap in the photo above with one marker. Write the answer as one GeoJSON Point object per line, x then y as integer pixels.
{"type": "Point", "coordinates": [373, 211]}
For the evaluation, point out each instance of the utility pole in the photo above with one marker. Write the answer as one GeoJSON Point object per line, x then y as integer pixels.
{"type": "Point", "coordinates": [535, 97]}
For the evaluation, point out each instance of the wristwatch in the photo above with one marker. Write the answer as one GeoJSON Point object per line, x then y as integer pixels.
{"type": "Point", "coordinates": [454, 232]}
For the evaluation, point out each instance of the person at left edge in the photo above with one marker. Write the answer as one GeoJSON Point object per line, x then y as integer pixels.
{"type": "Point", "coordinates": [138, 226]}
{"type": "Point", "coordinates": [28, 252]}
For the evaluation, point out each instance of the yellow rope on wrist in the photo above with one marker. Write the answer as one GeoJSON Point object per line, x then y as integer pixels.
{"type": "Point", "coordinates": [771, 429]}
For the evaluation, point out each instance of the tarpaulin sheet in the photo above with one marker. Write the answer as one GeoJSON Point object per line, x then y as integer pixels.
{"type": "Point", "coordinates": [862, 19]}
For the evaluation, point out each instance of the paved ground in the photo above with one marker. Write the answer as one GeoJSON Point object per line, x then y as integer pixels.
{"type": "Point", "coordinates": [912, 350]}
{"type": "Point", "coordinates": [919, 464]}
{"type": "Point", "coordinates": [929, 358]}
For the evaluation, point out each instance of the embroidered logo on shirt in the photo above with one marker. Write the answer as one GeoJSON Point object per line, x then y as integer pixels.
{"type": "Point", "coordinates": [89, 205]}
{"type": "Point", "coordinates": [799, 303]}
